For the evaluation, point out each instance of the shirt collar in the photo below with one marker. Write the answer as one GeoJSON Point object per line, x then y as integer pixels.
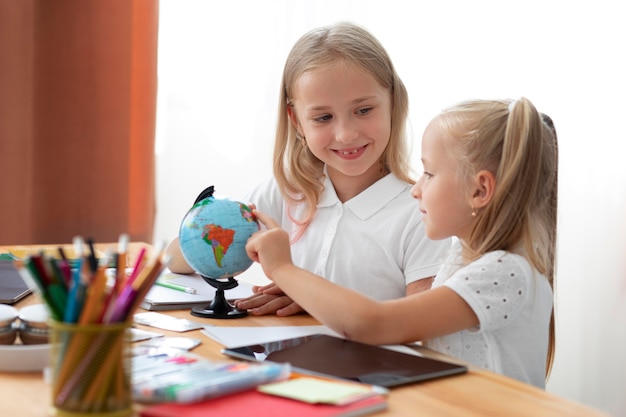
{"type": "Point", "coordinates": [369, 201]}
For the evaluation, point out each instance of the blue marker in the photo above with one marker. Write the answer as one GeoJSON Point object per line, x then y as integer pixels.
{"type": "Point", "coordinates": [75, 296]}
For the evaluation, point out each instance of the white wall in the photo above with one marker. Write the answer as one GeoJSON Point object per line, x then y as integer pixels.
{"type": "Point", "coordinates": [219, 72]}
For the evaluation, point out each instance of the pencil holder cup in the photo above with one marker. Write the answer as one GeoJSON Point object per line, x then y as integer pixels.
{"type": "Point", "coordinates": [90, 370]}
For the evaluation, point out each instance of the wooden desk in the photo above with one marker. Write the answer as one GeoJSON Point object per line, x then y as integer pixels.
{"type": "Point", "coordinates": [478, 393]}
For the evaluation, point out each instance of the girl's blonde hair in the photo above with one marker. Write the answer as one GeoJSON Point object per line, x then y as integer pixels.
{"type": "Point", "coordinates": [298, 172]}
{"type": "Point", "coordinates": [518, 145]}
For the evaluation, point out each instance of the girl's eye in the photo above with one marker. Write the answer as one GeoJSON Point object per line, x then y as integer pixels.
{"type": "Point", "coordinates": [364, 110]}
{"type": "Point", "coordinates": [323, 118]}
{"type": "Point", "coordinates": [427, 174]}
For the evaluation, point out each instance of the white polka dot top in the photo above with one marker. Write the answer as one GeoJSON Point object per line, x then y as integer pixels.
{"type": "Point", "coordinates": [513, 304]}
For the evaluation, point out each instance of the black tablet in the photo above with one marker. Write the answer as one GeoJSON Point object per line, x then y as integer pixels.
{"type": "Point", "coordinates": [332, 356]}
{"type": "Point", "coordinates": [12, 286]}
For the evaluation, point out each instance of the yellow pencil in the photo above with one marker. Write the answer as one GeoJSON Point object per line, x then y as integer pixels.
{"type": "Point", "coordinates": [95, 298]}
{"type": "Point", "coordinates": [120, 276]}
{"type": "Point", "coordinates": [89, 314]}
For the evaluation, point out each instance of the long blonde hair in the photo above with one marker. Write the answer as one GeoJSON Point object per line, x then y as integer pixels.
{"type": "Point", "coordinates": [519, 146]}
{"type": "Point", "coordinates": [298, 172]}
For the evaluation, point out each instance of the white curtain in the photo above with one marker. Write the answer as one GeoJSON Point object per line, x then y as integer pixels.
{"type": "Point", "coordinates": [219, 72]}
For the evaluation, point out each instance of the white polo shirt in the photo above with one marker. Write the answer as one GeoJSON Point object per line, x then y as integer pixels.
{"type": "Point", "coordinates": [374, 243]}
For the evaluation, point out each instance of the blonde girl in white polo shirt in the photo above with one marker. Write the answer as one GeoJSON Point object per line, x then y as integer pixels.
{"type": "Point", "coordinates": [341, 184]}
{"type": "Point", "coordinates": [490, 180]}
{"type": "Point", "coordinates": [342, 181]}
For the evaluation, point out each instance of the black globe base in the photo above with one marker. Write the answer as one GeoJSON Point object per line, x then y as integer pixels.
{"type": "Point", "coordinates": [219, 308]}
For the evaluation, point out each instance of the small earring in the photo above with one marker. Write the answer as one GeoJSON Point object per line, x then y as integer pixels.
{"type": "Point", "coordinates": [473, 212]}
{"type": "Point", "coordinates": [300, 138]}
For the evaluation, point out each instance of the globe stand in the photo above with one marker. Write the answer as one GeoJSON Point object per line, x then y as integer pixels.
{"type": "Point", "coordinates": [219, 308]}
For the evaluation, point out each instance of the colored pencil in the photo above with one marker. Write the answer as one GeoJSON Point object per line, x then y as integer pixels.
{"type": "Point", "coordinates": [78, 300]}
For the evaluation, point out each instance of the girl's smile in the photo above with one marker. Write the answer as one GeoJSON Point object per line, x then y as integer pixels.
{"type": "Point", "coordinates": [352, 153]}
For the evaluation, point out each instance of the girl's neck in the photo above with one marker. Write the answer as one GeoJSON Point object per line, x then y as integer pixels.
{"type": "Point", "coordinates": [471, 254]}
{"type": "Point", "coordinates": [348, 187]}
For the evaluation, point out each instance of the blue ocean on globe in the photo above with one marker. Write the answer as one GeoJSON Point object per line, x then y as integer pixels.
{"type": "Point", "coordinates": [213, 236]}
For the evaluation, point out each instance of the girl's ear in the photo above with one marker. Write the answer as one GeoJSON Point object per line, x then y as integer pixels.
{"type": "Point", "coordinates": [292, 116]}
{"type": "Point", "coordinates": [485, 186]}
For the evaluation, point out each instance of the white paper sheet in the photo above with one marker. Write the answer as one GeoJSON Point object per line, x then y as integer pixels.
{"type": "Point", "coordinates": [242, 336]}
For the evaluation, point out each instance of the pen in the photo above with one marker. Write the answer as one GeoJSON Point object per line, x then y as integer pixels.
{"type": "Point", "coordinates": [176, 287]}
{"type": "Point", "coordinates": [120, 276]}
{"type": "Point", "coordinates": [76, 296]}
{"type": "Point", "coordinates": [139, 264]}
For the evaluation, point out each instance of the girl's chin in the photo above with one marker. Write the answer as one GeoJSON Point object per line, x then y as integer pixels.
{"type": "Point", "coordinates": [433, 234]}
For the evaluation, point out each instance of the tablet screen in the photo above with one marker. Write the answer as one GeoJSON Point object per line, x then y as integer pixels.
{"type": "Point", "coordinates": [12, 286]}
{"type": "Point", "coordinates": [345, 359]}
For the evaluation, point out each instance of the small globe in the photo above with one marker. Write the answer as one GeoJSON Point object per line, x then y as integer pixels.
{"type": "Point", "coordinates": [213, 236]}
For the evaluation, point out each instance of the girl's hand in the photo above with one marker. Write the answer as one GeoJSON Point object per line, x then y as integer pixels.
{"type": "Point", "coordinates": [268, 299]}
{"type": "Point", "coordinates": [269, 247]}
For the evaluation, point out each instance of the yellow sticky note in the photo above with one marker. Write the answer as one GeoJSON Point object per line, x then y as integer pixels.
{"type": "Point", "coordinates": [314, 390]}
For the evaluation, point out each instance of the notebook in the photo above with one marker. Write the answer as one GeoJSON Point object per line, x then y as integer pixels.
{"type": "Point", "coordinates": [256, 404]}
{"type": "Point", "coordinates": [12, 287]}
{"type": "Point", "coordinates": [162, 298]}
{"type": "Point", "coordinates": [340, 358]}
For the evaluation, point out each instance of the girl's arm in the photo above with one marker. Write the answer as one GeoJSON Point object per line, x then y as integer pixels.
{"type": "Point", "coordinates": [419, 285]}
{"type": "Point", "coordinates": [177, 262]}
{"type": "Point", "coordinates": [418, 317]}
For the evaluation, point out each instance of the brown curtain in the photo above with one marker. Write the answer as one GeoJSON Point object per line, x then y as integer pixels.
{"type": "Point", "coordinates": [77, 120]}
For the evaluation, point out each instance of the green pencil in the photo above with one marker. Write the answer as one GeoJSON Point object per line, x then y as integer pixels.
{"type": "Point", "coordinates": [176, 287]}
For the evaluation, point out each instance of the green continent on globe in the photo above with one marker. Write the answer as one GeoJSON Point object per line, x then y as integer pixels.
{"type": "Point", "coordinates": [219, 239]}
{"type": "Point", "coordinates": [246, 213]}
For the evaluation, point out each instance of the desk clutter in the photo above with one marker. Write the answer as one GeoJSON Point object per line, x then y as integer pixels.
{"type": "Point", "coordinates": [258, 404]}
{"type": "Point", "coordinates": [182, 384]}
{"type": "Point", "coordinates": [175, 375]}
{"type": "Point", "coordinates": [173, 381]}
{"type": "Point", "coordinates": [26, 326]}
{"type": "Point", "coordinates": [24, 336]}
{"type": "Point", "coordinates": [90, 321]}
{"type": "Point", "coordinates": [300, 394]}
{"type": "Point", "coordinates": [91, 304]}
{"type": "Point", "coordinates": [12, 286]}
{"type": "Point", "coordinates": [75, 289]}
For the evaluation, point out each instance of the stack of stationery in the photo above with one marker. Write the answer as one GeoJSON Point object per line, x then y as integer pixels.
{"type": "Point", "coordinates": [301, 396]}
{"type": "Point", "coordinates": [174, 375]}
